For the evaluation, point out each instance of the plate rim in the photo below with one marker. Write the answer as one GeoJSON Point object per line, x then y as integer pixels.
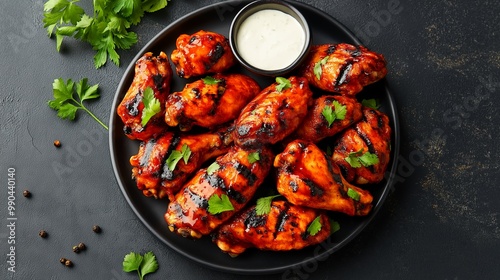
{"type": "Point", "coordinates": [392, 168]}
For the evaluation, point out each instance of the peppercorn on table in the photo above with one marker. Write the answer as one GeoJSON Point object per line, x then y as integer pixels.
{"type": "Point", "coordinates": [65, 216]}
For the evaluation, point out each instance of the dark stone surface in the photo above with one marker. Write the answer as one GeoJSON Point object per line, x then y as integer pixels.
{"type": "Point", "coordinates": [440, 222]}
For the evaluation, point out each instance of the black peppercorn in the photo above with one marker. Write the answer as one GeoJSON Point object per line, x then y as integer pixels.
{"type": "Point", "coordinates": [26, 193]}
{"type": "Point", "coordinates": [81, 246]}
{"type": "Point", "coordinates": [57, 143]}
{"type": "Point", "coordinates": [96, 229]}
{"type": "Point", "coordinates": [43, 234]}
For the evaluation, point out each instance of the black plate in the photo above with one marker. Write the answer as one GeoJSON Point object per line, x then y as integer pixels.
{"type": "Point", "coordinates": [218, 18]}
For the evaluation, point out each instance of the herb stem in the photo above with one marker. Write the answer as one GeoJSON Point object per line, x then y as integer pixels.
{"type": "Point", "coordinates": [95, 118]}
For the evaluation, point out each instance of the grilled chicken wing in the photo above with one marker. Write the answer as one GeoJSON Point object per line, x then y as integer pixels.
{"type": "Point", "coordinates": [273, 114]}
{"type": "Point", "coordinates": [371, 134]}
{"type": "Point", "coordinates": [235, 177]}
{"type": "Point", "coordinates": [343, 68]}
{"type": "Point", "coordinates": [343, 111]}
{"type": "Point", "coordinates": [210, 101]}
{"type": "Point", "coordinates": [284, 228]}
{"type": "Point", "coordinates": [308, 177]}
{"type": "Point", "coordinates": [202, 53]}
{"type": "Point", "coordinates": [153, 175]}
{"type": "Point", "coordinates": [153, 72]}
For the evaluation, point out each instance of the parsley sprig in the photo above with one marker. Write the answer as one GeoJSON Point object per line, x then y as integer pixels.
{"type": "Point", "coordinates": [67, 104]}
{"type": "Point", "coordinates": [358, 159]}
{"type": "Point", "coordinates": [152, 105]}
{"type": "Point", "coordinates": [264, 205]}
{"type": "Point", "coordinates": [282, 83]}
{"type": "Point", "coordinates": [338, 113]}
{"type": "Point", "coordinates": [318, 67]}
{"type": "Point", "coordinates": [315, 226]}
{"type": "Point", "coordinates": [142, 264]}
{"type": "Point", "coordinates": [176, 155]}
{"type": "Point", "coordinates": [217, 205]}
{"type": "Point", "coordinates": [106, 30]}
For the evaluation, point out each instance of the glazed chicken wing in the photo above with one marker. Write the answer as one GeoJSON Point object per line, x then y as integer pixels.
{"type": "Point", "coordinates": [308, 177]}
{"type": "Point", "coordinates": [371, 134]}
{"type": "Point", "coordinates": [153, 72]}
{"type": "Point", "coordinates": [284, 228]}
{"type": "Point", "coordinates": [274, 114]}
{"type": "Point", "coordinates": [328, 116]}
{"type": "Point", "coordinates": [151, 171]}
{"type": "Point", "coordinates": [210, 101]}
{"type": "Point", "coordinates": [232, 176]}
{"type": "Point", "coordinates": [202, 53]}
{"type": "Point", "coordinates": [343, 68]}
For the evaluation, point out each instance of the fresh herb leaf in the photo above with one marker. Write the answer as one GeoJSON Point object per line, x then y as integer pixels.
{"type": "Point", "coordinates": [152, 106]}
{"type": "Point", "coordinates": [315, 226]}
{"type": "Point", "coordinates": [149, 264]}
{"type": "Point", "coordinates": [253, 157]}
{"type": "Point", "coordinates": [283, 83]}
{"type": "Point", "coordinates": [334, 226]}
{"type": "Point", "coordinates": [212, 168]}
{"type": "Point", "coordinates": [106, 30]}
{"type": "Point", "coordinates": [209, 80]}
{"type": "Point", "coordinates": [318, 70]}
{"type": "Point", "coordinates": [264, 205]}
{"type": "Point", "coordinates": [331, 115]}
{"type": "Point", "coordinates": [353, 194]}
{"type": "Point", "coordinates": [142, 264]}
{"type": "Point", "coordinates": [66, 103]}
{"type": "Point", "coordinates": [358, 159]}
{"type": "Point", "coordinates": [220, 204]}
{"type": "Point", "coordinates": [371, 103]}
{"type": "Point", "coordinates": [176, 155]}
{"type": "Point", "coordinates": [132, 262]}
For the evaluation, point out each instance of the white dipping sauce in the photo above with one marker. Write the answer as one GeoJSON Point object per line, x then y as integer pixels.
{"type": "Point", "coordinates": [270, 39]}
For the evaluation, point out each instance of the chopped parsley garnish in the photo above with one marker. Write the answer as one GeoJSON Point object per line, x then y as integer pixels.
{"type": "Point", "coordinates": [253, 157]}
{"type": "Point", "coordinates": [318, 70]}
{"type": "Point", "coordinates": [283, 83]}
{"type": "Point", "coordinates": [315, 226]}
{"type": "Point", "coordinates": [353, 194]}
{"type": "Point", "coordinates": [212, 168]}
{"type": "Point", "coordinates": [176, 156]}
{"type": "Point", "coordinates": [332, 115]}
{"type": "Point", "coordinates": [371, 103]}
{"type": "Point", "coordinates": [358, 159]}
{"type": "Point", "coordinates": [152, 105]}
{"type": "Point", "coordinates": [264, 205]}
{"type": "Point", "coordinates": [209, 80]}
{"type": "Point", "coordinates": [220, 204]}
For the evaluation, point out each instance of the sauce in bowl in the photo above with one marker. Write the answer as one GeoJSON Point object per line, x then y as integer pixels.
{"type": "Point", "coordinates": [270, 39]}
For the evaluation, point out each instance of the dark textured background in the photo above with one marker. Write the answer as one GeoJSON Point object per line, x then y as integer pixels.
{"type": "Point", "coordinates": [440, 222]}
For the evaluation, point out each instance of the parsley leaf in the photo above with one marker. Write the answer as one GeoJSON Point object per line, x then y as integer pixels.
{"type": "Point", "coordinates": [253, 157]}
{"type": "Point", "coordinates": [209, 80]}
{"type": "Point", "coordinates": [106, 30]}
{"type": "Point", "coordinates": [332, 115]}
{"type": "Point", "coordinates": [152, 105]}
{"type": "Point", "coordinates": [175, 156]}
{"type": "Point", "coordinates": [212, 168]}
{"type": "Point", "coordinates": [315, 226]}
{"type": "Point", "coordinates": [220, 204]}
{"type": "Point", "coordinates": [317, 67]}
{"type": "Point", "coordinates": [371, 103]}
{"type": "Point", "coordinates": [142, 264]}
{"type": "Point", "coordinates": [67, 104]}
{"type": "Point", "coordinates": [358, 159]}
{"type": "Point", "coordinates": [264, 205]}
{"type": "Point", "coordinates": [283, 83]}
{"type": "Point", "coordinates": [353, 194]}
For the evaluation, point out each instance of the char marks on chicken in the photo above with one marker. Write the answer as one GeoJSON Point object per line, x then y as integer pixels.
{"type": "Point", "coordinates": [343, 68]}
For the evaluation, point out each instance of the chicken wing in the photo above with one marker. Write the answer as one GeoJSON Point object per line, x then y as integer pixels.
{"type": "Point", "coordinates": [328, 116]}
{"type": "Point", "coordinates": [274, 114]}
{"type": "Point", "coordinates": [372, 134]}
{"type": "Point", "coordinates": [284, 228]}
{"type": "Point", "coordinates": [210, 101]}
{"type": "Point", "coordinates": [343, 68]}
{"type": "Point", "coordinates": [308, 177]}
{"type": "Point", "coordinates": [151, 171]}
{"type": "Point", "coordinates": [202, 53]}
{"type": "Point", "coordinates": [234, 175]}
{"type": "Point", "coordinates": [153, 72]}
